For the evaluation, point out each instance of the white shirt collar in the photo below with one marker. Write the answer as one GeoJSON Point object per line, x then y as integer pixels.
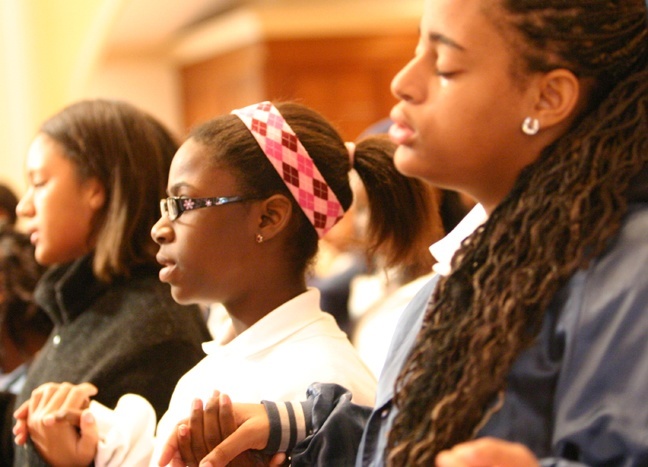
{"type": "Point", "coordinates": [444, 249]}
{"type": "Point", "coordinates": [277, 325]}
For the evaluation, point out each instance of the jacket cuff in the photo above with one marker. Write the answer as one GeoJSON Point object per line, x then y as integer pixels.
{"type": "Point", "coordinates": [290, 423]}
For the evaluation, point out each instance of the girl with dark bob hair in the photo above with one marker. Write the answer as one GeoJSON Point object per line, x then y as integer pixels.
{"type": "Point", "coordinates": [95, 172]}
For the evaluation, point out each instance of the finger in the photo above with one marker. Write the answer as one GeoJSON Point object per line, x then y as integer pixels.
{"type": "Point", "coordinates": [449, 459]}
{"type": "Point", "coordinates": [211, 423]}
{"type": "Point", "coordinates": [87, 445]}
{"type": "Point", "coordinates": [176, 462]}
{"type": "Point", "coordinates": [184, 446]}
{"type": "Point", "coordinates": [21, 439]}
{"type": "Point", "coordinates": [35, 398]}
{"type": "Point", "coordinates": [504, 453]}
{"type": "Point", "coordinates": [227, 421]}
{"type": "Point", "coordinates": [23, 411]}
{"type": "Point", "coordinates": [72, 417]}
{"type": "Point", "coordinates": [54, 398]}
{"type": "Point", "coordinates": [39, 401]}
{"type": "Point", "coordinates": [170, 448]}
{"type": "Point", "coordinates": [278, 459]}
{"type": "Point", "coordinates": [486, 452]}
{"type": "Point", "coordinates": [21, 432]}
{"type": "Point", "coordinates": [197, 431]}
{"type": "Point", "coordinates": [78, 398]}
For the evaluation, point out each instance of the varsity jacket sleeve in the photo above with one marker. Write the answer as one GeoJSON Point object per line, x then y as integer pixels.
{"type": "Point", "coordinates": [323, 430]}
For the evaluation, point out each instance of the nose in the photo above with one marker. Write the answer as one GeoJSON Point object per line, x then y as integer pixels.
{"type": "Point", "coordinates": [162, 232]}
{"type": "Point", "coordinates": [409, 83]}
{"type": "Point", "coordinates": [25, 207]}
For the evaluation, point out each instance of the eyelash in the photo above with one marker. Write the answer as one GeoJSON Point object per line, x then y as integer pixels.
{"type": "Point", "coordinates": [445, 75]}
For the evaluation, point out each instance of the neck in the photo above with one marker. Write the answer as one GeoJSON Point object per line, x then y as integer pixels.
{"type": "Point", "coordinates": [246, 311]}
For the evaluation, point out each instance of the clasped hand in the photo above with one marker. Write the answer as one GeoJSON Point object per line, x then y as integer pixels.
{"type": "Point", "coordinates": [220, 434]}
{"type": "Point", "coordinates": [60, 428]}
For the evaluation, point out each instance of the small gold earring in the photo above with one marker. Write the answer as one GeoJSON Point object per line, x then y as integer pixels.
{"type": "Point", "coordinates": [259, 238]}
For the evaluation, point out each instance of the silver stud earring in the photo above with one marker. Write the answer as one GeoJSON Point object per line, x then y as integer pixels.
{"type": "Point", "coordinates": [259, 238]}
{"type": "Point", "coordinates": [530, 126]}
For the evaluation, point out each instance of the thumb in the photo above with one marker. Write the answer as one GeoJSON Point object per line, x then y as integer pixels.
{"type": "Point", "coordinates": [278, 459]}
{"type": "Point", "coordinates": [87, 444]}
{"type": "Point", "coordinates": [170, 450]}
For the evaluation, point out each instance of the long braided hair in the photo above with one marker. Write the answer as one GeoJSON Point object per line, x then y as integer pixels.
{"type": "Point", "coordinates": [562, 212]}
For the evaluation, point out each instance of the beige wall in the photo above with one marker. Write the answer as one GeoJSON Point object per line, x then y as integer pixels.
{"type": "Point", "coordinates": [49, 48]}
{"type": "Point", "coordinates": [53, 52]}
{"type": "Point", "coordinates": [150, 82]}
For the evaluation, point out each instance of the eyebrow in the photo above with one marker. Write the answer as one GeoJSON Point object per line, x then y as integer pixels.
{"type": "Point", "coordinates": [445, 40]}
{"type": "Point", "coordinates": [174, 189]}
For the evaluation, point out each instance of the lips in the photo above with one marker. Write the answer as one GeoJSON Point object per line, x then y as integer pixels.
{"type": "Point", "coordinates": [33, 236]}
{"type": "Point", "coordinates": [168, 267]}
{"type": "Point", "coordinates": [400, 132]}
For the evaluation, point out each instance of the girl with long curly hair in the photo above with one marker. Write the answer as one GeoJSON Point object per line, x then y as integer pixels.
{"type": "Point", "coordinates": [532, 350]}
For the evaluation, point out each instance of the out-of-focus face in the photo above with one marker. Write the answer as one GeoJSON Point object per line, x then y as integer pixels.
{"type": "Point", "coordinates": [459, 116]}
{"type": "Point", "coordinates": [207, 254]}
{"type": "Point", "coordinates": [58, 208]}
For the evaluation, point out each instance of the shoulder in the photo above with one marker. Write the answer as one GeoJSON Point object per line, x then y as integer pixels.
{"type": "Point", "coordinates": [610, 296]}
{"type": "Point", "coordinates": [634, 227]}
{"type": "Point", "coordinates": [623, 265]}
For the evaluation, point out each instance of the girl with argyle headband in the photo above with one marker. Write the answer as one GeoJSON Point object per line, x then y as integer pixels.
{"type": "Point", "coordinates": [240, 229]}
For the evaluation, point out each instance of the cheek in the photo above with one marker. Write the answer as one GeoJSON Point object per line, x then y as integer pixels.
{"type": "Point", "coordinates": [65, 230]}
{"type": "Point", "coordinates": [201, 253]}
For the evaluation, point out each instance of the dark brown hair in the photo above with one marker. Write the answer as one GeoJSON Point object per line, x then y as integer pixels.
{"type": "Point", "coordinates": [571, 201]}
{"type": "Point", "coordinates": [8, 202]}
{"type": "Point", "coordinates": [19, 273]}
{"type": "Point", "coordinates": [130, 153]}
{"type": "Point", "coordinates": [401, 218]}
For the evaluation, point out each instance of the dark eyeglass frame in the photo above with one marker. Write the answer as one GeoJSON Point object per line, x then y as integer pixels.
{"type": "Point", "coordinates": [174, 206]}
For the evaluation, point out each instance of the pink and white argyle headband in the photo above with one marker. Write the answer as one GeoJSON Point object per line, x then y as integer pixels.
{"type": "Point", "coordinates": [291, 160]}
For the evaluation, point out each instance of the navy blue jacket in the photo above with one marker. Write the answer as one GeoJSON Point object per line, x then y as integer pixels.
{"type": "Point", "coordinates": [577, 397]}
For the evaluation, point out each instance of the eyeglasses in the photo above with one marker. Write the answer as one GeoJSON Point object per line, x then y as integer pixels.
{"type": "Point", "coordinates": [174, 206]}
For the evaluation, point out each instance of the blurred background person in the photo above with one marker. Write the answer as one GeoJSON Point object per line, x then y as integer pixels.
{"type": "Point", "coordinates": [8, 202]}
{"type": "Point", "coordinates": [24, 326]}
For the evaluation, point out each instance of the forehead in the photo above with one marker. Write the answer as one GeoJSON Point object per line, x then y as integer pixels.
{"type": "Point", "coordinates": [462, 22]}
{"type": "Point", "coordinates": [192, 166]}
{"type": "Point", "coordinates": [47, 154]}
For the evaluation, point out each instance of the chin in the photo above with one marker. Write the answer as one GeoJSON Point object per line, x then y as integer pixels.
{"type": "Point", "coordinates": [179, 297]}
{"type": "Point", "coordinates": [43, 258]}
{"type": "Point", "coordinates": [406, 161]}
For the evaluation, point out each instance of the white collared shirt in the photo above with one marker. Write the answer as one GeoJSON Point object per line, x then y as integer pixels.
{"type": "Point", "coordinates": [444, 249]}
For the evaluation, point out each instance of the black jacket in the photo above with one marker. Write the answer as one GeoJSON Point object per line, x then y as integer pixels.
{"type": "Point", "coordinates": [125, 337]}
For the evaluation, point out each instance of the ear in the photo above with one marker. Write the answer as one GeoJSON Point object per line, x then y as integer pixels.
{"type": "Point", "coordinates": [275, 215]}
{"type": "Point", "coordinates": [95, 193]}
{"type": "Point", "coordinates": [557, 98]}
